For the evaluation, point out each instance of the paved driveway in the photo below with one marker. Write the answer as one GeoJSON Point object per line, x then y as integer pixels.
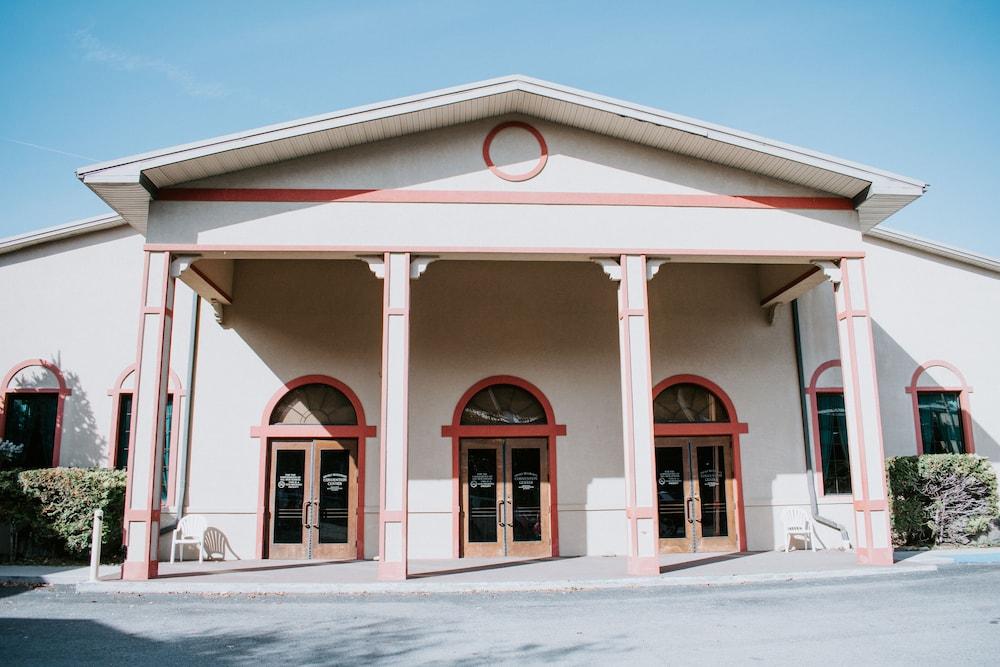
{"type": "Point", "coordinates": [951, 616]}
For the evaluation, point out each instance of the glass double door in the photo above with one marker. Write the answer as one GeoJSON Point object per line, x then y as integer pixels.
{"type": "Point", "coordinates": [505, 497]}
{"type": "Point", "coordinates": [694, 488]}
{"type": "Point", "coordinates": [313, 500]}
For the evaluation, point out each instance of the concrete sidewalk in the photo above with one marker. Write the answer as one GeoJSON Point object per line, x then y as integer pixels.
{"type": "Point", "coordinates": [470, 574]}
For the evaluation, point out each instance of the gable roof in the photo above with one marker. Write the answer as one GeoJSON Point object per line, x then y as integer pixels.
{"type": "Point", "coordinates": [127, 184]}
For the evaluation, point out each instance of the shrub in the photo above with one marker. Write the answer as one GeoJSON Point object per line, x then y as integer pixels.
{"type": "Point", "coordinates": [51, 510]}
{"type": "Point", "coordinates": [941, 498]}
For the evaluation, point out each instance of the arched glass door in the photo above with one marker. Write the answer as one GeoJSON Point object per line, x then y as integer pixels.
{"type": "Point", "coordinates": [505, 480]}
{"type": "Point", "coordinates": [314, 489]}
{"type": "Point", "coordinates": [694, 474]}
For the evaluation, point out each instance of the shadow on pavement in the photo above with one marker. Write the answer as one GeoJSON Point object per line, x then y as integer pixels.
{"type": "Point", "coordinates": [83, 641]}
{"type": "Point", "coordinates": [488, 566]}
{"type": "Point", "coordinates": [698, 562]}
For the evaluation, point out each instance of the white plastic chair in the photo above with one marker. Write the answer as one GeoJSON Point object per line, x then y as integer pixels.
{"type": "Point", "coordinates": [798, 524]}
{"type": "Point", "coordinates": [190, 530]}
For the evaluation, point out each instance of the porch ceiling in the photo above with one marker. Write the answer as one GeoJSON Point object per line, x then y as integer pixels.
{"type": "Point", "coordinates": [128, 184]}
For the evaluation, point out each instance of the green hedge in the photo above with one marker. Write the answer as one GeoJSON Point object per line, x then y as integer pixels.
{"type": "Point", "coordinates": [51, 511]}
{"type": "Point", "coordinates": [941, 498]}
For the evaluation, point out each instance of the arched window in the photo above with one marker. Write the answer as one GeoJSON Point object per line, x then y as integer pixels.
{"type": "Point", "coordinates": [32, 396]}
{"type": "Point", "coordinates": [503, 404]}
{"type": "Point", "coordinates": [941, 414]}
{"type": "Point", "coordinates": [315, 404]}
{"type": "Point", "coordinates": [122, 394]}
{"type": "Point", "coordinates": [831, 453]}
{"type": "Point", "coordinates": [686, 403]}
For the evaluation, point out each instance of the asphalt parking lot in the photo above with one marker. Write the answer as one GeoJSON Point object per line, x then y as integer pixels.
{"type": "Point", "coordinates": [949, 616]}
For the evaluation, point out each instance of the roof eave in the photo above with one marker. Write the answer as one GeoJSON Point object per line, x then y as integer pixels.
{"type": "Point", "coordinates": [60, 232]}
{"type": "Point", "coordinates": [886, 193]}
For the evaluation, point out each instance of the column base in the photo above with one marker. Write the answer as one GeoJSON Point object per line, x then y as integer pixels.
{"type": "Point", "coordinates": [391, 571]}
{"type": "Point", "coordinates": [881, 556]}
{"type": "Point", "coordinates": [137, 570]}
{"type": "Point", "coordinates": [643, 566]}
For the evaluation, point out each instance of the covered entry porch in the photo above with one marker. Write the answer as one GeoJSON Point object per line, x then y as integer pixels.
{"type": "Point", "coordinates": [592, 347]}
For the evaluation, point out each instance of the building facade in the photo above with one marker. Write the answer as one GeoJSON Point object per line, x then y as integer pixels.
{"type": "Point", "coordinates": [505, 319]}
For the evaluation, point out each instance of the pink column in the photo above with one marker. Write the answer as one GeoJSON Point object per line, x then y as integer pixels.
{"type": "Point", "coordinates": [637, 411]}
{"type": "Point", "coordinates": [864, 425]}
{"type": "Point", "coordinates": [145, 456]}
{"type": "Point", "coordinates": [393, 419]}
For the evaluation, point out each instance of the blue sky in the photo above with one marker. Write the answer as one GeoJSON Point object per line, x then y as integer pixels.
{"type": "Point", "coordinates": [911, 87]}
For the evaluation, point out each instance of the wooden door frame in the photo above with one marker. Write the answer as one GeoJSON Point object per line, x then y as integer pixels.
{"type": "Point", "coordinates": [686, 480]}
{"type": "Point", "coordinates": [306, 447]}
{"type": "Point", "coordinates": [267, 433]}
{"type": "Point", "coordinates": [729, 490]}
{"type": "Point", "coordinates": [497, 446]}
{"type": "Point", "coordinates": [542, 548]}
{"type": "Point", "coordinates": [456, 431]}
{"type": "Point", "coordinates": [353, 491]}
{"type": "Point", "coordinates": [733, 428]}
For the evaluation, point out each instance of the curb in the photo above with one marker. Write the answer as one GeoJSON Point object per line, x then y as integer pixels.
{"type": "Point", "coordinates": [417, 588]}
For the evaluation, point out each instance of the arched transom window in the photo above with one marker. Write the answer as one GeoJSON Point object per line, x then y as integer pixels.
{"type": "Point", "coordinates": [315, 404]}
{"type": "Point", "coordinates": [686, 403]}
{"type": "Point", "coordinates": [503, 404]}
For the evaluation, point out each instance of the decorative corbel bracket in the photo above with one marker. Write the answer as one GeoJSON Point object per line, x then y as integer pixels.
{"type": "Point", "coordinates": [653, 266]}
{"type": "Point", "coordinates": [610, 266]}
{"type": "Point", "coordinates": [376, 263]}
{"type": "Point", "coordinates": [830, 269]}
{"type": "Point", "coordinates": [219, 309]}
{"type": "Point", "coordinates": [419, 264]}
{"type": "Point", "coordinates": [182, 263]}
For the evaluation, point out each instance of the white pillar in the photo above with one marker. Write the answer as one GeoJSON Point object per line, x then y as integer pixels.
{"type": "Point", "coordinates": [145, 457]}
{"type": "Point", "coordinates": [864, 425]}
{"type": "Point", "coordinates": [632, 272]}
{"type": "Point", "coordinates": [394, 269]}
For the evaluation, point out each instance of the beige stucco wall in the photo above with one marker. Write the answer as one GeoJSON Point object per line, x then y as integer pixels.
{"type": "Point", "coordinates": [924, 308]}
{"type": "Point", "coordinates": [553, 324]}
{"type": "Point", "coordinates": [451, 160]}
{"type": "Point", "coordinates": [73, 303]}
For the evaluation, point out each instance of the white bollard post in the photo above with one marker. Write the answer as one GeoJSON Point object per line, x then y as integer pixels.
{"type": "Point", "coordinates": [95, 545]}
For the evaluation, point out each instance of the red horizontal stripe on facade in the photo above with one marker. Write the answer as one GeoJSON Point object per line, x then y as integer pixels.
{"type": "Point", "coordinates": [319, 195]}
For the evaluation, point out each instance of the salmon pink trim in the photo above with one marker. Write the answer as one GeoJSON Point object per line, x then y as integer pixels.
{"type": "Point", "coordinates": [812, 391]}
{"type": "Point", "coordinates": [266, 433]}
{"type": "Point", "coordinates": [174, 391]}
{"type": "Point", "coordinates": [963, 390]}
{"type": "Point", "coordinates": [456, 431]}
{"type": "Point", "coordinates": [578, 252]}
{"type": "Point", "coordinates": [62, 392]}
{"type": "Point", "coordinates": [507, 176]}
{"type": "Point", "coordinates": [733, 428]}
{"type": "Point", "coordinates": [413, 196]}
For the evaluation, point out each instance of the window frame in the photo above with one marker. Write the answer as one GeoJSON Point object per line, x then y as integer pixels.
{"type": "Point", "coordinates": [176, 394]}
{"type": "Point", "coordinates": [813, 390]}
{"type": "Point", "coordinates": [962, 389]}
{"type": "Point", "coordinates": [62, 391]}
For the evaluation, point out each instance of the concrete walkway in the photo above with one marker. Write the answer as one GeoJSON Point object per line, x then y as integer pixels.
{"type": "Point", "coordinates": [470, 574]}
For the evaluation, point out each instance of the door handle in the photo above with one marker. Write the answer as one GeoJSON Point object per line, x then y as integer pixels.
{"type": "Point", "coordinates": [500, 514]}
{"type": "Point", "coordinates": [689, 510]}
{"type": "Point", "coordinates": [307, 515]}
